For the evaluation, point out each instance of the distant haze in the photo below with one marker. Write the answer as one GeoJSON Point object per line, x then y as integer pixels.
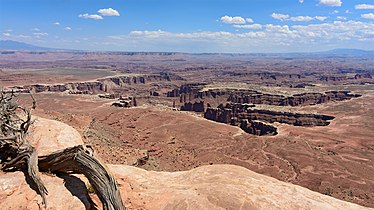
{"type": "Point", "coordinates": [13, 45]}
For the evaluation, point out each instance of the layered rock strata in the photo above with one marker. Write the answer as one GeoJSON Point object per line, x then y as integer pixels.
{"type": "Point", "coordinates": [100, 85]}
{"type": "Point", "coordinates": [251, 120]}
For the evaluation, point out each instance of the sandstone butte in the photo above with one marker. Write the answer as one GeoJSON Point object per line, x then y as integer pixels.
{"type": "Point", "coordinates": [206, 187]}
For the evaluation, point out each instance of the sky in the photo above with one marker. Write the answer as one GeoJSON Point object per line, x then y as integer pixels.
{"type": "Point", "coordinates": [195, 26]}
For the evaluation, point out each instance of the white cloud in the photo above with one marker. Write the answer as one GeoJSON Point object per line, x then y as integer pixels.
{"type": "Point", "coordinates": [68, 28]}
{"type": "Point", "coordinates": [301, 18]}
{"type": "Point", "coordinates": [87, 16]}
{"type": "Point", "coordinates": [321, 18]}
{"type": "Point", "coordinates": [249, 20]}
{"type": "Point", "coordinates": [40, 34]}
{"type": "Point", "coordinates": [252, 26]}
{"type": "Point", "coordinates": [336, 30]}
{"type": "Point", "coordinates": [7, 34]}
{"type": "Point", "coordinates": [284, 17]}
{"type": "Point", "coordinates": [23, 36]}
{"type": "Point", "coordinates": [36, 29]}
{"type": "Point", "coordinates": [335, 12]}
{"type": "Point", "coordinates": [364, 6]}
{"type": "Point", "coordinates": [233, 20]}
{"type": "Point", "coordinates": [56, 23]}
{"type": "Point", "coordinates": [331, 3]}
{"type": "Point", "coordinates": [368, 16]}
{"type": "Point", "coordinates": [108, 12]}
{"type": "Point", "coordinates": [281, 17]}
{"type": "Point", "coordinates": [301, 1]}
{"type": "Point", "coordinates": [268, 38]}
{"type": "Point", "coordinates": [341, 18]}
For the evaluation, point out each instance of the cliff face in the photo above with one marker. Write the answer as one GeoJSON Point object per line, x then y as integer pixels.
{"type": "Point", "coordinates": [242, 115]}
{"type": "Point", "coordinates": [190, 92]}
{"type": "Point", "coordinates": [102, 85]}
{"type": "Point", "coordinates": [295, 100]}
{"type": "Point", "coordinates": [194, 107]}
{"type": "Point", "coordinates": [206, 187]}
{"type": "Point", "coordinates": [185, 89]}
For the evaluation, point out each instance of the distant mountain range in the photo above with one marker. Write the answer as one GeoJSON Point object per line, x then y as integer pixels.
{"type": "Point", "coordinates": [14, 45]}
{"type": "Point", "coordinates": [347, 52]}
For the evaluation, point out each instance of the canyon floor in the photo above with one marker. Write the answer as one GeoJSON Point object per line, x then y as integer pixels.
{"type": "Point", "coordinates": [205, 187]}
{"type": "Point", "coordinates": [336, 160]}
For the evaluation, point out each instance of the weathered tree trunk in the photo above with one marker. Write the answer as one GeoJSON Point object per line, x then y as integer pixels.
{"type": "Point", "coordinates": [80, 159]}
{"type": "Point", "coordinates": [16, 153]}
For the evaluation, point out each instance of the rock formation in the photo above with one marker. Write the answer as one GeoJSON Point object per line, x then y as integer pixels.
{"type": "Point", "coordinates": [247, 118]}
{"type": "Point", "coordinates": [193, 107]}
{"type": "Point", "coordinates": [125, 102]}
{"type": "Point", "coordinates": [206, 187]}
{"type": "Point", "coordinates": [190, 92]}
{"type": "Point", "coordinates": [295, 100]}
{"type": "Point", "coordinates": [101, 85]}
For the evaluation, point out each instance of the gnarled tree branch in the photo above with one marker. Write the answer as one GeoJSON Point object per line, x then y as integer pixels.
{"type": "Point", "coordinates": [16, 153]}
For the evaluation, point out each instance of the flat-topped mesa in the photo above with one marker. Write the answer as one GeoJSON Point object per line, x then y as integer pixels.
{"type": "Point", "coordinates": [74, 87]}
{"type": "Point", "coordinates": [102, 85]}
{"type": "Point", "coordinates": [247, 118]}
{"type": "Point", "coordinates": [229, 116]}
{"type": "Point", "coordinates": [295, 119]}
{"type": "Point", "coordinates": [128, 80]}
{"type": "Point", "coordinates": [295, 100]}
{"type": "Point", "coordinates": [265, 75]}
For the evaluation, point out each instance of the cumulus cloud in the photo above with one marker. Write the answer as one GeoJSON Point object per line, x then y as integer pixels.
{"type": "Point", "coordinates": [320, 18]}
{"type": "Point", "coordinates": [272, 33]}
{"type": "Point", "coordinates": [88, 16]}
{"type": "Point", "coordinates": [40, 34]}
{"type": "Point", "coordinates": [108, 12]}
{"type": "Point", "coordinates": [301, 18]}
{"type": "Point", "coordinates": [279, 16]}
{"type": "Point", "coordinates": [249, 20]}
{"type": "Point", "coordinates": [301, 1]}
{"type": "Point", "coordinates": [331, 3]}
{"type": "Point", "coordinates": [341, 18]}
{"type": "Point", "coordinates": [364, 6]}
{"type": "Point", "coordinates": [233, 20]}
{"type": "Point", "coordinates": [7, 34]}
{"type": "Point", "coordinates": [368, 16]}
{"type": "Point", "coordinates": [298, 37]}
{"type": "Point", "coordinates": [56, 23]}
{"type": "Point", "coordinates": [252, 26]}
{"type": "Point", "coordinates": [284, 17]}
{"type": "Point", "coordinates": [68, 28]}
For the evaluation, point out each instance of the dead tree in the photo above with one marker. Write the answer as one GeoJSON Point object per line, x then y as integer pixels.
{"type": "Point", "coordinates": [16, 153]}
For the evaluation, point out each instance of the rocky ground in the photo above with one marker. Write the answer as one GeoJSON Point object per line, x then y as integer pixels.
{"type": "Point", "coordinates": [324, 159]}
{"type": "Point", "coordinates": [206, 187]}
{"type": "Point", "coordinates": [332, 155]}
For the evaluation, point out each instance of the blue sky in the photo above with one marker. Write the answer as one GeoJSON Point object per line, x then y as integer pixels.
{"type": "Point", "coordinates": [240, 26]}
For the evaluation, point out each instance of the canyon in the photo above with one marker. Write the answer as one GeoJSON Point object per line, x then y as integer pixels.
{"type": "Point", "coordinates": [304, 120]}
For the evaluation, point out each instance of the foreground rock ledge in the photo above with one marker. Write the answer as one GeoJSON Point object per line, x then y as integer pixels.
{"type": "Point", "coordinates": [207, 187]}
